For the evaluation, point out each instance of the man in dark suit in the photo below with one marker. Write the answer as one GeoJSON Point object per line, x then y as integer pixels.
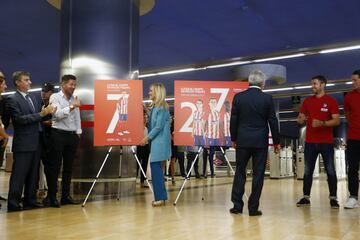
{"type": "Point", "coordinates": [251, 115]}
{"type": "Point", "coordinates": [26, 115]}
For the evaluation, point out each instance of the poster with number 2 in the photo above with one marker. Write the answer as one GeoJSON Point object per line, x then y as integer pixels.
{"type": "Point", "coordinates": [202, 112]}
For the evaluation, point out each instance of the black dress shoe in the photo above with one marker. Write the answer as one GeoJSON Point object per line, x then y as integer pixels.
{"type": "Point", "coordinates": [14, 208]}
{"type": "Point", "coordinates": [28, 206]}
{"type": "Point", "coordinates": [235, 210]}
{"type": "Point", "coordinates": [256, 213]}
{"type": "Point", "coordinates": [51, 203]}
{"type": "Point", "coordinates": [69, 200]}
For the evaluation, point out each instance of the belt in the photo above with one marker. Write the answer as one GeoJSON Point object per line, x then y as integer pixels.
{"type": "Point", "coordinates": [63, 131]}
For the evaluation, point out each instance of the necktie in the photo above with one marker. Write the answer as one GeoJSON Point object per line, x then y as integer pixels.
{"type": "Point", "coordinates": [27, 97]}
{"type": "Point", "coordinates": [31, 104]}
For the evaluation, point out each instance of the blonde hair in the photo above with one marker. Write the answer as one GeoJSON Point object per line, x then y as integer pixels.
{"type": "Point", "coordinates": [159, 92]}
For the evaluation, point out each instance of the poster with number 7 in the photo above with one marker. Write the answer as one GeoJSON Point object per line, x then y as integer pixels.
{"type": "Point", "coordinates": [202, 112]}
{"type": "Point", "coordinates": [118, 112]}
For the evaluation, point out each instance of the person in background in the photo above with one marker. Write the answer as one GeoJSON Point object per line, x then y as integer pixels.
{"type": "Point", "coordinates": [143, 152]}
{"type": "Point", "coordinates": [252, 113]}
{"type": "Point", "coordinates": [181, 160]}
{"type": "Point", "coordinates": [320, 112]}
{"type": "Point", "coordinates": [160, 140]}
{"type": "Point", "coordinates": [191, 152]}
{"type": "Point", "coordinates": [47, 90]}
{"type": "Point", "coordinates": [65, 137]}
{"type": "Point", "coordinates": [174, 152]}
{"type": "Point", "coordinates": [4, 122]}
{"type": "Point", "coordinates": [352, 113]}
{"type": "Point", "coordinates": [208, 154]}
{"type": "Point", "coordinates": [26, 115]}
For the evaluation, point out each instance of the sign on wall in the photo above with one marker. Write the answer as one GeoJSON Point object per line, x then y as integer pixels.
{"type": "Point", "coordinates": [118, 112]}
{"type": "Point", "coordinates": [202, 112]}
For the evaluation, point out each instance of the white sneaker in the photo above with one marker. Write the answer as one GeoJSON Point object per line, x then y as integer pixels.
{"type": "Point", "coordinates": [351, 203]}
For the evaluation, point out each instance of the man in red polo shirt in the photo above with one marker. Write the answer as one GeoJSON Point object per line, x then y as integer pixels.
{"type": "Point", "coordinates": [352, 113]}
{"type": "Point", "coordinates": [321, 114]}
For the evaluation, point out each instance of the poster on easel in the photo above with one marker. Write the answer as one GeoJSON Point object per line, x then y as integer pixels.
{"type": "Point", "coordinates": [118, 112]}
{"type": "Point", "coordinates": [202, 112]}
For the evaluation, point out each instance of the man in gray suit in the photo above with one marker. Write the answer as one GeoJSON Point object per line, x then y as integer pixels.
{"type": "Point", "coordinates": [251, 115]}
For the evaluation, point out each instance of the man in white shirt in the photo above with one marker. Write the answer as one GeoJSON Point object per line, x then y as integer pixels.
{"type": "Point", "coordinates": [65, 136]}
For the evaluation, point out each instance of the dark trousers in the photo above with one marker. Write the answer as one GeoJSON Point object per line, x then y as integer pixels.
{"type": "Point", "coordinates": [45, 153]}
{"type": "Point", "coordinates": [143, 156]}
{"type": "Point", "coordinates": [353, 159]}
{"type": "Point", "coordinates": [25, 171]}
{"type": "Point", "coordinates": [2, 150]}
{"type": "Point", "coordinates": [181, 159]}
{"type": "Point", "coordinates": [259, 156]}
{"type": "Point", "coordinates": [312, 150]}
{"type": "Point", "coordinates": [63, 149]}
{"type": "Point", "coordinates": [190, 158]}
{"type": "Point", "coordinates": [208, 154]}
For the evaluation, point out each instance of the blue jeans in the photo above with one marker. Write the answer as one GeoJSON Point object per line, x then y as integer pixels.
{"type": "Point", "coordinates": [158, 182]}
{"type": "Point", "coordinates": [312, 150]}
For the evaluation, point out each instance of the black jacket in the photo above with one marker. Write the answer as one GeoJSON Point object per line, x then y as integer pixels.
{"type": "Point", "coordinates": [251, 115]}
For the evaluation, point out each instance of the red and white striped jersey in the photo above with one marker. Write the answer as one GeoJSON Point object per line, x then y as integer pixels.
{"type": "Point", "coordinates": [123, 105]}
{"type": "Point", "coordinates": [213, 125]}
{"type": "Point", "coordinates": [227, 124]}
{"type": "Point", "coordinates": [198, 118]}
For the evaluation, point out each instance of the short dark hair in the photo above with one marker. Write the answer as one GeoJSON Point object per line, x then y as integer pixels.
{"type": "Point", "coordinates": [321, 78]}
{"type": "Point", "coordinates": [357, 72]}
{"type": "Point", "coordinates": [16, 76]}
{"type": "Point", "coordinates": [67, 77]}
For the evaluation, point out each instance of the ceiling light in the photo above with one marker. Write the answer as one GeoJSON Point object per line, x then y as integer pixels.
{"type": "Point", "coordinates": [280, 57]}
{"type": "Point", "coordinates": [302, 87]}
{"type": "Point", "coordinates": [349, 82]}
{"type": "Point", "coordinates": [34, 89]}
{"type": "Point", "coordinates": [176, 71]}
{"type": "Point", "coordinates": [278, 89]}
{"type": "Point", "coordinates": [330, 84]}
{"type": "Point", "coordinates": [148, 75]}
{"type": "Point", "coordinates": [7, 93]}
{"type": "Point", "coordinates": [228, 64]}
{"type": "Point", "coordinates": [332, 50]}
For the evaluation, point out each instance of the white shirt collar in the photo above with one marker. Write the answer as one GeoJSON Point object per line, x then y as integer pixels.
{"type": "Point", "coordinates": [22, 93]}
{"type": "Point", "coordinates": [255, 87]}
{"type": "Point", "coordinates": [63, 95]}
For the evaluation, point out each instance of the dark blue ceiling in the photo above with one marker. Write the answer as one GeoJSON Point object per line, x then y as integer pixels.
{"type": "Point", "coordinates": [185, 32]}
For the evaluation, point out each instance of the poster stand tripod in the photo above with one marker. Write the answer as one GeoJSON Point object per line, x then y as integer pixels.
{"type": "Point", "coordinates": [231, 168]}
{"type": "Point", "coordinates": [192, 165]}
{"type": "Point", "coordinates": [102, 166]}
{"type": "Point", "coordinates": [188, 174]}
